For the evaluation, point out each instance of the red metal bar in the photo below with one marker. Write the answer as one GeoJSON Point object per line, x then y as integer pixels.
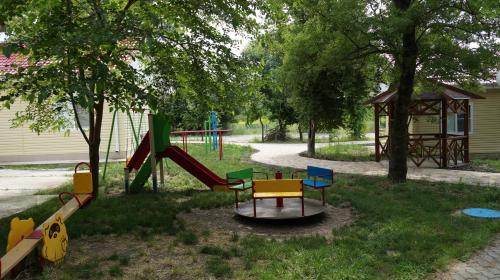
{"type": "Point", "coordinates": [200, 131]}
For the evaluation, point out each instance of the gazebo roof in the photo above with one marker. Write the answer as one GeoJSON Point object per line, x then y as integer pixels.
{"type": "Point", "coordinates": [449, 92]}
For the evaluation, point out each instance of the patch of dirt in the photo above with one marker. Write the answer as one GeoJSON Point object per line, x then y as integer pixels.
{"type": "Point", "coordinates": [153, 257]}
{"type": "Point", "coordinates": [225, 220]}
{"type": "Point", "coordinates": [160, 256]}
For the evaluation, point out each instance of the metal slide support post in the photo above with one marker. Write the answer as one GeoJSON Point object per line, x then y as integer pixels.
{"type": "Point", "coordinates": [210, 134]}
{"type": "Point", "coordinates": [205, 126]}
{"type": "Point", "coordinates": [152, 153]}
{"type": "Point", "coordinates": [162, 174]}
{"type": "Point", "coordinates": [140, 124]}
{"type": "Point", "coordinates": [220, 145]}
{"type": "Point", "coordinates": [133, 129]}
{"type": "Point", "coordinates": [109, 145]}
{"type": "Point", "coordinates": [214, 127]}
{"type": "Point", "coordinates": [127, 178]}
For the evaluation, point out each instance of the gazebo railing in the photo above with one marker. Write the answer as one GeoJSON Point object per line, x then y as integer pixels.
{"type": "Point", "coordinates": [428, 147]}
{"type": "Point", "coordinates": [455, 150]}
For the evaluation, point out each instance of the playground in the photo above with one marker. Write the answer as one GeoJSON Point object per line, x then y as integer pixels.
{"type": "Point", "coordinates": [182, 229]}
{"type": "Point", "coordinates": [249, 140]}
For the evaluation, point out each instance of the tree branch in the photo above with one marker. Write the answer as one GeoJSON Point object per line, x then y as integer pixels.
{"type": "Point", "coordinates": [78, 119]}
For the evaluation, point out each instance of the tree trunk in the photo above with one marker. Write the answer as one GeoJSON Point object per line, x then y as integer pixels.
{"type": "Point", "coordinates": [399, 129]}
{"type": "Point", "coordinates": [261, 129]}
{"type": "Point", "coordinates": [311, 140]}
{"type": "Point", "coordinates": [95, 143]}
{"type": "Point", "coordinates": [94, 166]}
{"type": "Point", "coordinates": [301, 136]}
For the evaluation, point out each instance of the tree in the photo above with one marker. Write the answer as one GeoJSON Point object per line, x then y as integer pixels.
{"type": "Point", "coordinates": [448, 40]}
{"type": "Point", "coordinates": [81, 52]}
{"type": "Point", "coordinates": [266, 56]}
{"type": "Point", "coordinates": [325, 91]}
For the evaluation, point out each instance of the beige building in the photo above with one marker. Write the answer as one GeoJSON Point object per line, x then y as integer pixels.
{"type": "Point", "coordinates": [22, 145]}
{"type": "Point", "coordinates": [484, 129]}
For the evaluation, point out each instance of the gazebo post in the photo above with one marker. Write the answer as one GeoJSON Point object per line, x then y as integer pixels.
{"type": "Point", "coordinates": [466, 131]}
{"type": "Point", "coordinates": [444, 133]}
{"type": "Point", "coordinates": [377, 132]}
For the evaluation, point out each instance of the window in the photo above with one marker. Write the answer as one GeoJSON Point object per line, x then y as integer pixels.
{"type": "Point", "coordinates": [456, 122]}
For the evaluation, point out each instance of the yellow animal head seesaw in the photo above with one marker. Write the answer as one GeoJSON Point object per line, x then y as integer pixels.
{"type": "Point", "coordinates": [55, 239]}
{"type": "Point", "coordinates": [19, 229]}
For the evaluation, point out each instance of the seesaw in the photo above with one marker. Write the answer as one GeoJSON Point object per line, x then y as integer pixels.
{"type": "Point", "coordinates": [51, 234]}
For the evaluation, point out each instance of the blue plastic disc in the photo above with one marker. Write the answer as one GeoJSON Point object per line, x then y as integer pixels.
{"type": "Point", "coordinates": [482, 213]}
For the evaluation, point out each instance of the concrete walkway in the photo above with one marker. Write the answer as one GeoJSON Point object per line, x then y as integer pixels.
{"type": "Point", "coordinates": [17, 188]}
{"type": "Point", "coordinates": [288, 155]}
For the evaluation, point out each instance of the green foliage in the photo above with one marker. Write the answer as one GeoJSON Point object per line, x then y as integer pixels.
{"type": "Point", "coordinates": [267, 94]}
{"type": "Point", "coordinates": [324, 89]}
{"type": "Point", "coordinates": [127, 54]}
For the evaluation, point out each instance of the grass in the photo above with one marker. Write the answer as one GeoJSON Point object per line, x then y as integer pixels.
{"type": "Point", "coordinates": [344, 152]}
{"type": "Point", "coordinates": [403, 231]}
{"type": "Point", "coordinates": [218, 266]}
{"type": "Point", "coordinates": [486, 165]}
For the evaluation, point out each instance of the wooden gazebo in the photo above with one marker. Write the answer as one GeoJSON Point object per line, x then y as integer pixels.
{"type": "Point", "coordinates": [443, 148]}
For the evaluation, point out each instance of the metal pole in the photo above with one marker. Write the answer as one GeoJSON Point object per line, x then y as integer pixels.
{"type": "Point", "coordinates": [127, 178]}
{"type": "Point", "coordinates": [140, 124]}
{"type": "Point", "coordinates": [162, 175]}
{"type": "Point", "coordinates": [109, 145]}
{"type": "Point", "coordinates": [220, 145]}
{"type": "Point", "coordinates": [152, 153]}
{"type": "Point", "coordinates": [133, 129]}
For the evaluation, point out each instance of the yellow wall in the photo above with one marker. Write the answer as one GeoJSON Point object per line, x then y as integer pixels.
{"type": "Point", "coordinates": [21, 144]}
{"type": "Point", "coordinates": [485, 135]}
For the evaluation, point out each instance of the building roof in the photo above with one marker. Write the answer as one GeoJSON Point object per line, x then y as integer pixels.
{"type": "Point", "coordinates": [9, 64]}
{"type": "Point", "coordinates": [449, 92]}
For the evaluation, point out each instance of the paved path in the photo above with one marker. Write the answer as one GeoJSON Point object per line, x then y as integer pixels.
{"type": "Point", "coordinates": [288, 155]}
{"type": "Point", "coordinates": [17, 188]}
{"type": "Point", "coordinates": [485, 265]}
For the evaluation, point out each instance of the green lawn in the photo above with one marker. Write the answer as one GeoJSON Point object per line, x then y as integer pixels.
{"type": "Point", "coordinates": [486, 165]}
{"type": "Point", "coordinates": [403, 231]}
{"type": "Point", "coordinates": [345, 152]}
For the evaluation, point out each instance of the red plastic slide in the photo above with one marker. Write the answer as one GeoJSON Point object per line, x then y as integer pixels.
{"type": "Point", "coordinates": [191, 165]}
{"type": "Point", "coordinates": [140, 154]}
